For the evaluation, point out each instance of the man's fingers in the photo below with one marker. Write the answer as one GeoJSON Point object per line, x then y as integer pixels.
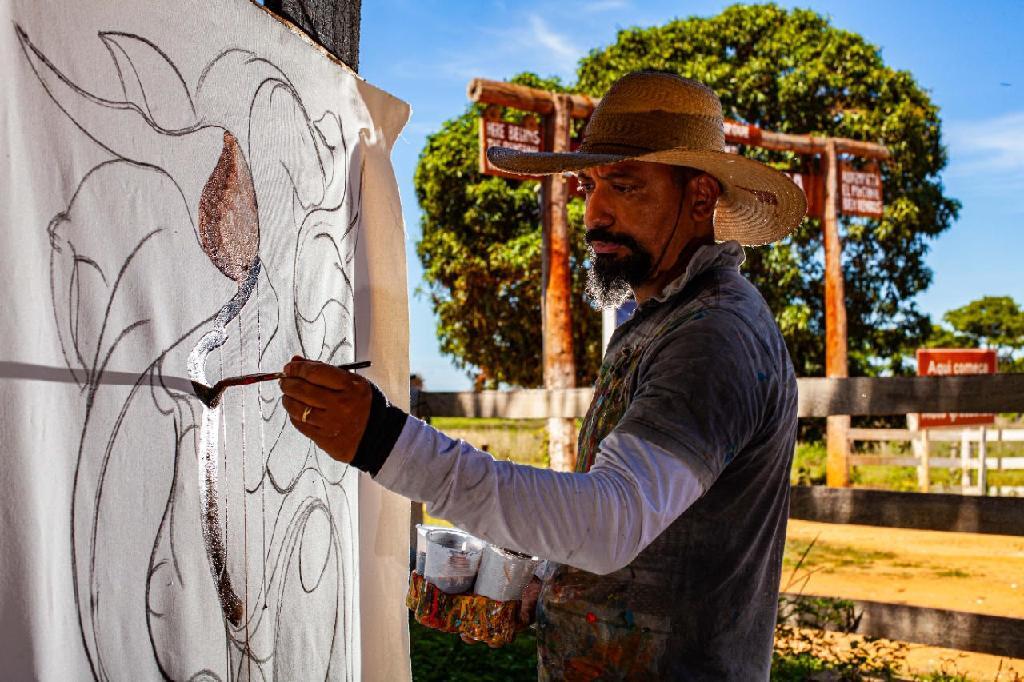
{"type": "Point", "coordinates": [327, 405]}
{"type": "Point", "coordinates": [320, 373]}
{"type": "Point", "coordinates": [309, 415]}
{"type": "Point", "coordinates": [311, 432]}
{"type": "Point", "coordinates": [328, 422]}
{"type": "Point", "coordinates": [312, 394]}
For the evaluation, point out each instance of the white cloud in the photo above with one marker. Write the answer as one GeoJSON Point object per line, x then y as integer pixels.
{"type": "Point", "coordinates": [560, 47]}
{"type": "Point", "coordinates": [988, 155]}
{"type": "Point", "coordinates": [995, 144]}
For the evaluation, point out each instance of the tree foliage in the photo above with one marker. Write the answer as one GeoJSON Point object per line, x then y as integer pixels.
{"type": "Point", "coordinates": [792, 71]}
{"type": "Point", "coordinates": [782, 70]}
{"type": "Point", "coordinates": [995, 322]}
{"type": "Point", "coordinates": [481, 255]}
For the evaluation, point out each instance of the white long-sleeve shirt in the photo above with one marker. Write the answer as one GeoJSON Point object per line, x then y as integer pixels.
{"type": "Point", "coordinates": [598, 521]}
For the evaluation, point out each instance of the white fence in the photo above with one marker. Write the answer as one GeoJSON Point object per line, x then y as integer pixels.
{"type": "Point", "coordinates": [971, 445]}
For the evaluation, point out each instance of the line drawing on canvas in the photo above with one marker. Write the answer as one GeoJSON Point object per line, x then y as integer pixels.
{"type": "Point", "coordinates": [259, 213]}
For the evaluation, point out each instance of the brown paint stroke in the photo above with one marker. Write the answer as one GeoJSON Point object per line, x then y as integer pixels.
{"type": "Point", "coordinates": [229, 229]}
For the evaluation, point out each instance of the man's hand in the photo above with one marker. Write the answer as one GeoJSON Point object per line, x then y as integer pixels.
{"type": "Point", "coordinates": [329, 405]}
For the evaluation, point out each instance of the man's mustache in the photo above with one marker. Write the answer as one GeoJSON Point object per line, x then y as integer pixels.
{"type": "Point", "coordinates": [599, 234]}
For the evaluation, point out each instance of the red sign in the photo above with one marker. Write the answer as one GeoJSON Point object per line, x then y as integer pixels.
{"type": "Point", "coordinates": [741, 133]}
{"type": "Point", "coordinates": [497, 133]}
{"type": "Point", "coordinates": [860, 190]}
{"type": "Point", "coordinates": [953, 362]}
{"type": "Point", "coordinates": [813, 186]}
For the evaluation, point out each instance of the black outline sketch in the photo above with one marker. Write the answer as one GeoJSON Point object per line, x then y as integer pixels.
{"type": "Point", "coordinates": [315, 493]}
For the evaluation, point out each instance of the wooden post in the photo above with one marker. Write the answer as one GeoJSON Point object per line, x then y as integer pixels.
{"type": "Point", "coordinates": [965, 462]}
{"type": "Point", "coordinates": [556, 304]}
{"type": "Point", "coordinates": [837, 470]}
{"type": "Point", "coordinates": [983, 462]}
{"type": "Point", "coordinates": [415, 518]}
{"type": "Point", "coordinates": [920, 449]}
{"type": "Point", "coordinates": [334, 24]}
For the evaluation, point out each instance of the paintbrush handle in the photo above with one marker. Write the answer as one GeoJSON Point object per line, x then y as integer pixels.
{"type": "Point", "coordinates": [247, 379]}
{"type": "Point", "coordinates": [362, 364]}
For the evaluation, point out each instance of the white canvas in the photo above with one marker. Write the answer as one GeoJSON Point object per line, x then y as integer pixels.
{"type": "Point", "coordinates": [190, 191]}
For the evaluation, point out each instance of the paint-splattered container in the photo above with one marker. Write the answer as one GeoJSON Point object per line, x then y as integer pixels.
{"type": "Point", "coordinates": [421, 546]}
{"type": "Point", "coordinates": [503, 574]}
{"type": "Point", "coordinates": [453, 557]}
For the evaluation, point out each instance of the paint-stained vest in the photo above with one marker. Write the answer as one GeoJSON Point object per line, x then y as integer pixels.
{"type": "Point", "coordinates": [659, 617]}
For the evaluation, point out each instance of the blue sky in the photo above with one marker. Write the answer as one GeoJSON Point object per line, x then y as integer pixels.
{"type": "Point", "coordinates": [970, 56]}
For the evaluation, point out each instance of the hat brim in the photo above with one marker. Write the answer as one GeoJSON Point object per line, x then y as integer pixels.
{"type": "Point", "coordinates": [758, 204]}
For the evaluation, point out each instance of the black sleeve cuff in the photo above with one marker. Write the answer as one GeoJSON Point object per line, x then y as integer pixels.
{"type": "Point", "coordinates": [383, 428]}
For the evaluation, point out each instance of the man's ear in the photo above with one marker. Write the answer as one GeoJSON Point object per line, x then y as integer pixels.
{"type": "Point", "coordinates": [704, 192]}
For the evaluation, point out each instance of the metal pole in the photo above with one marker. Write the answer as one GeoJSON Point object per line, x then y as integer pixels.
{"type": "Point", "coordinates": [837, 472]}
{"type": "Point", "coordinates": [559, 362]}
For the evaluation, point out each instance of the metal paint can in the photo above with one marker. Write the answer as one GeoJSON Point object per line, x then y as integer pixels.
{"type": "Point", "coordinates": [453, 557]}
{"type": "Point", "coordinates": [503, 574]}
{"type": "Point", "coordinates": [421, 546]}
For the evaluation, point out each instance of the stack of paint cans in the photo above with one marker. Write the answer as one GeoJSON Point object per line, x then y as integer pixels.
{"type": "Point", "coordinates": [453, 557]}
{"type": "Point", "coordinates": [421, 546]}
{"type": "Point", "coordinates": [457, 563]}
{"type": "Point", "coordinates": [503, 574]}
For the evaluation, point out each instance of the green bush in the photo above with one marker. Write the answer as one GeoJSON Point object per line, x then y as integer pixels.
{"type": "Point", "coordinates": [442, 657]}
{"type": "Point", "coordinates": [809, 464]}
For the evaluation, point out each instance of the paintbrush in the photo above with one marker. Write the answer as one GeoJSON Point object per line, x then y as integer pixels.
{"type": "Point", "coordinates": [210, 395]}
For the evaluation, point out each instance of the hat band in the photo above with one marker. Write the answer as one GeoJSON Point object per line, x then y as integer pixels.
{"type": "Point", "coordinates": [650, 131]}
{"type": "Point", "coordinates": [612, 148]}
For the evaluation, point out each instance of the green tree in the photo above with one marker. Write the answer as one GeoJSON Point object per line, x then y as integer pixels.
{"type": "Point", "coordinates": [995, 322]}
{"type": "Point", "coordinates": [783, 70]}
{"type": "Point", "coordinates": [792, 71]}
{"type": "Point", "coordinates": [941, 336]}
{"type": "Point", "coordinates": [481, 255]}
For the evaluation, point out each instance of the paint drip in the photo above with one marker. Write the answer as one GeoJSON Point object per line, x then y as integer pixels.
{"type": "Point", "coordinates": [504, 574]}
{"type": "Point", "coordinates": [209, 450]}
{"type": "Point", "coordinates": [453, 557]}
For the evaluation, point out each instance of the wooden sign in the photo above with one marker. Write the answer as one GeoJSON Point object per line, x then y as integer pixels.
{"type": "Point", "coordinates": [953, 362]}
{"type": "Point", "coordinates": [495, 132]}
{"type": "Point", "coordinates": [860, 190]}
{"type": "Point", "coordinates": [741, 133]}
{"type": "Point", "coordinates": [813, 186]}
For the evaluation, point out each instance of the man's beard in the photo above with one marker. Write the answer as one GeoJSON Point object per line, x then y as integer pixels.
{"type": "Point", "coordinates": [611, 278]}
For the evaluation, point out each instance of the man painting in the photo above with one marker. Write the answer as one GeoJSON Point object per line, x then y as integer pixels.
{"type": "Point", "coordinates": [669, 536]}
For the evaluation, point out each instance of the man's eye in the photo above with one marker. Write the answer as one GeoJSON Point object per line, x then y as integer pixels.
{"type": "Point", "coordinates": [586, 187]}
{"type": "Point", "coordinates": [623, 189]}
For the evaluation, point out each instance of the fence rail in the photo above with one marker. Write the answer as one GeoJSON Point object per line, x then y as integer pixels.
{"type": "Point", "coordinates": [819, 397]}
{"type": "Point", "coordinates": [888, 509]}
{"type": "Point", "coordinates": [967, 439]}
{"type": "Point", "coordinates": [997, 635]}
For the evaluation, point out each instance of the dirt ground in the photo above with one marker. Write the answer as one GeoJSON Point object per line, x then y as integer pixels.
{"type": "Point", "coordinates": [958, 571]}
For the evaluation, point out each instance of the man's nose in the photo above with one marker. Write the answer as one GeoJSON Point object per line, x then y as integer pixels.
{"type": "Point", "coordinates": [597, 213]}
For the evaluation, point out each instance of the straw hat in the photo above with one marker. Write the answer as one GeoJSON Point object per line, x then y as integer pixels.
{"type": "Point", "coordinates": [664, 118]}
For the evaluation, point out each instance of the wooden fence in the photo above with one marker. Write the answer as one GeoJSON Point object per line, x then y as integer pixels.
{"type": "Point", "coordinates": [823, 397]}
{"type": "Point", "coordinates": [819, 397]}
{"type": "Point", "coordinates": [967, 440]}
